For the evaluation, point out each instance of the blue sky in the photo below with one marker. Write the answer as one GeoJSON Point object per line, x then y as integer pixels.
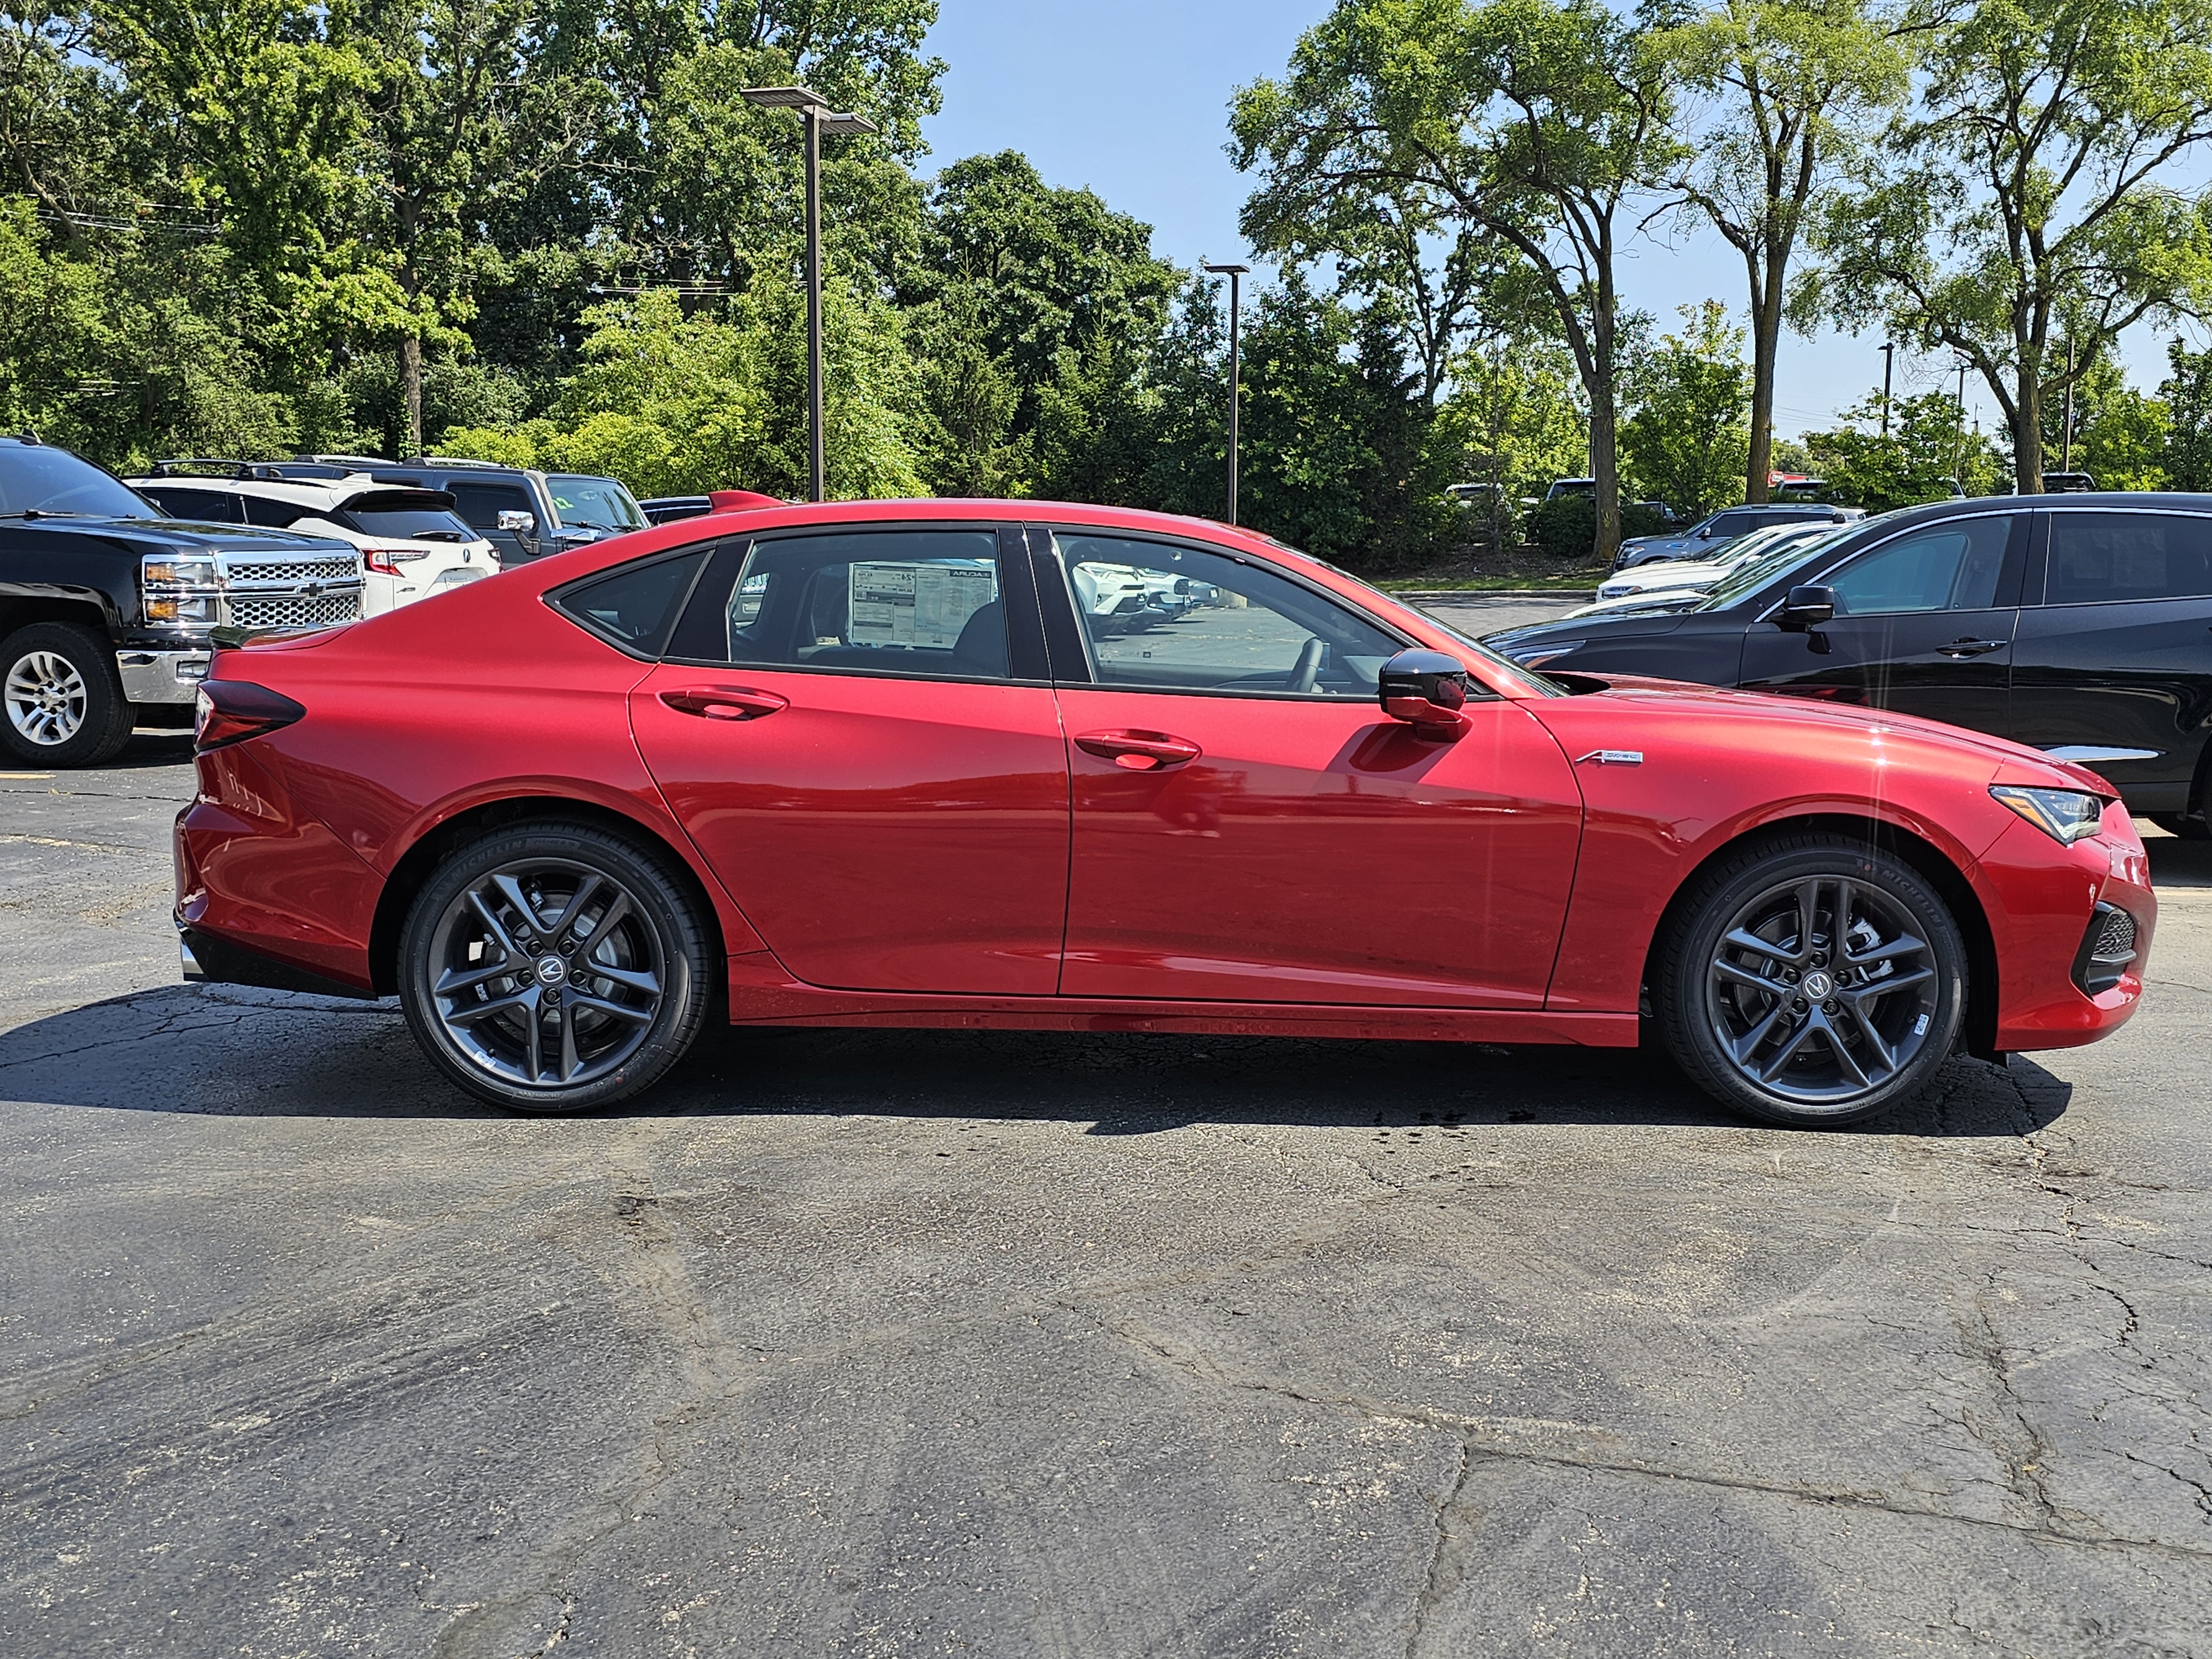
{"type": "Point", "coordinates": [1130, 97]}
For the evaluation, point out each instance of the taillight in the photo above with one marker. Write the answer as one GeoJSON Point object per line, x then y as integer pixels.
{"type": "Point", "coordinates": [386, 561]}
{"type": "Point", "coordinates": [231, 711]}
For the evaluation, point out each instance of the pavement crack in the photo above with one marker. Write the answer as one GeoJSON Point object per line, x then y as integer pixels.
{"type": "Point", "coordinates": [1442, 1574]}
{"type": "Point", "coordinates": [2013, 1437]}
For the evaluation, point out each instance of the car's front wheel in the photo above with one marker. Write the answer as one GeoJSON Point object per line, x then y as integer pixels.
{"type": "Point", "coordinates": [64, 700]}
{"type": "Point", "coordinates": [555, 968]}
{"type": "Point", "coordinates": [1812, 981]}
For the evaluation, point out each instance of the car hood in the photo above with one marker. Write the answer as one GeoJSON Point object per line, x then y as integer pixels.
{"type": "Point", "coordinates": [187, 533]}
{"type": "Point", "coordinates": [1655, 601]}
{"type": "Point", "coordinates": [1806, 725]}
{"type": "Point", "coordinates": [1654, 615]}
{"type": "Point", "coordinates": [1678, 573]}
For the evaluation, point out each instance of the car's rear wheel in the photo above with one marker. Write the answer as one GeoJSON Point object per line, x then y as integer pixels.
{"type": "Point", "coordinates": [62, 700]}
{"type": "Point", "coordinates": [1812, 981]}
{"type": "Point", "coordinates": [555, 968]}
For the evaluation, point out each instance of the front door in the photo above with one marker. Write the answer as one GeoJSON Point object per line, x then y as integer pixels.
{"type": "Point", "coordinates": [1249, 826]}
{"type": "Point", "coordinates": [842, 730]}
{"type": "Point", "coordinates": [1923, 625]}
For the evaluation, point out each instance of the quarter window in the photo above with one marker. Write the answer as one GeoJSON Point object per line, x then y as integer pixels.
{"type": "Point", "coordinates": [1177, 618]}
{"type": "Point", "coordinates": [2099, 557]}
{"type": "Point", "coordinates": [1946, 567]}
{"type": "Point", "coordinates": [635, 605]}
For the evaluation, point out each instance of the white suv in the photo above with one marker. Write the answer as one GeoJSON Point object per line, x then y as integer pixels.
{"type": "Point", "coordinates": [412, 543]}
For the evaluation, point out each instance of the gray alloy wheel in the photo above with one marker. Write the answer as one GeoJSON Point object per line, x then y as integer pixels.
{"type": "Point", "coordinates": [1812, 982]}
{"type": "Point", "coordinates": [63, 701]}
{"type": "Point", "coordinates": [553, 967]}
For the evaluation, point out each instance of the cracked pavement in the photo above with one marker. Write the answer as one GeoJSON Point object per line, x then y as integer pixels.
{"type": "Point", "coordinates": [904, 1343]}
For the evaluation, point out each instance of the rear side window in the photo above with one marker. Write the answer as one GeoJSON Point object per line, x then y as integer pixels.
{"type": "Point", "coordinates": [480, 504]}
{"type": "Point", "coordinates": [274, 514]}
{"type": "Point", "coordinates": [635, 605]}
{"type": "Point", "coordinates": [2097, 558]}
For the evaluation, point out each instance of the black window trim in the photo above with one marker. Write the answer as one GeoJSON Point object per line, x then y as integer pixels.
{"type": "Point", "coordinates": [1042, 556]}
{"type": "Point", "coordinates": [552, 597]}
{"type": "Point", "coordinates": [1844, 556]}
{"type": "Point", "coordinates": [2038, 573]}
{"type": "Point", "coordinates": [1009, 578]}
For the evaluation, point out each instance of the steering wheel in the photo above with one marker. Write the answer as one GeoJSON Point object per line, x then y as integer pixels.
{"type": "Point", "coordinates": [1307, 668]}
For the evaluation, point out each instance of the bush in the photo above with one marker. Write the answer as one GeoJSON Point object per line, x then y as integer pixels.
{"type": "Point", "coordinates": [1565, 528]}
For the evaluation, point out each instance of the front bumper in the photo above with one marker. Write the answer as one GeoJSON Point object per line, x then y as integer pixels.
{"type": "Point", "coordinates": [2043, 915]}
{"type": "Point", "coordinates": [161, 676]}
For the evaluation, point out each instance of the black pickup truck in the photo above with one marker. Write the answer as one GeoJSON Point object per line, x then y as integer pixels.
{"type": "Point", "coordinates": [108, 610]}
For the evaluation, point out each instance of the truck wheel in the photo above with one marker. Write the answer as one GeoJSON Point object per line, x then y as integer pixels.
{"type": "Point", "coordinates": [553, 967]}
{"type": "Point", "coordinates": [64, 700]}
{"type": "Point", "coordinates": [1811, 981]}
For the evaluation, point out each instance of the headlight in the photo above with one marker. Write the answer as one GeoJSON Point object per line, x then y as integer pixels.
{"type": "Point", "coordinates": [178, 608]}
{"type": "Point", "coordinates": [178, 573]}
{"type": "Point", "coordinates": [2065, 814]}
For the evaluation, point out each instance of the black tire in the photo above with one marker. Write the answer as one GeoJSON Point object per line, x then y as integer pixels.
{"type": "Point", "coordinates": [510, 1038]}
{"type": "Point", "coordinates": [1731, 987]}
{"type": "Point", "coordinates": [61, 699]}
{"type": "Point", "coordinates": [2176, 823]}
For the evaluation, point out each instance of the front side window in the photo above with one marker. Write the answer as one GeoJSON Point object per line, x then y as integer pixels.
{"type": "Point", "coordinates": [2097, 558]}
{"type": "Point", "coordinates": [1177, 618]}
{"type": "Point", "coordinates": [1946, 567]}
{"type": "Point", "coordinates": [923, 602]}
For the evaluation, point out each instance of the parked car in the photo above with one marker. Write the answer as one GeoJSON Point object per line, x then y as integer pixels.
{"type": "Point", "coordinates": [412, 544]}
{"type": "Point", "coordinates": [1728, 557]}
{"type": "Point", "coordinates": [2069, 483]}
{"type": "Point", "coordinates": [523, 514]}
{"type": "Point", "coordinates": [871, 762]}
{"type": "Point", "coordinates": [2079, 625]}
{"type": "Point", "coordinates": [108, 605]}
{"type": "Point", "coordinates": [1705, 536]}
{"type": "Point", "coordinates": [1583, 487]}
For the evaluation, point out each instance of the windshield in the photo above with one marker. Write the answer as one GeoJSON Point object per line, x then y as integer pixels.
{"type": "Point", "coordinates": [601, 503]}
{"type": "Point", "coordinates": [1761, 571]}
{"type": "Point", "coordinates": [36, 479]}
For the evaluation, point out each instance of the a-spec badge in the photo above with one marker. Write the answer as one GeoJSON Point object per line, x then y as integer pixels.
{"type": "Point", "coordinates": [1613, 757]}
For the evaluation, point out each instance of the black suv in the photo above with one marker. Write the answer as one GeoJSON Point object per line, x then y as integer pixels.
{"type": "Point", "coordinates": [2079, 624]}
{"type": "Point", "coordinates": [523, 514]}
{"type": "Point", "coordinates": [108, 608]}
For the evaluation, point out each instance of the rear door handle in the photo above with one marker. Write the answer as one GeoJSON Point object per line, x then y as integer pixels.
{"type": "Point", "coordinates": [1139, 752]}
{"type": "Point", "coordinates": [725, 702]}
{"type": "Point", "coordinates": [1964, 648]}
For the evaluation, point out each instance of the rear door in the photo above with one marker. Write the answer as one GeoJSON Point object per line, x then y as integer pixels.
{"type": "Point", "coordinates": [1923, 625]}
{"type": "Point", "coordinates": [857, 730]}
{"type": "Point", "coordinates": [2114, 656]}
{"type": "Point", "coordinates": [1249, 825]}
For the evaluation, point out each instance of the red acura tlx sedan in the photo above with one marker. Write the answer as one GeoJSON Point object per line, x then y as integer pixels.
{"type": "Point", "coordinates": [1011, 764]}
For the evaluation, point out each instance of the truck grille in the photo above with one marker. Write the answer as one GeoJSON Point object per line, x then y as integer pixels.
{"type": "Point", "coordinates": [335, 570]}
{"type": "Point", "coordinates": [294, 610]}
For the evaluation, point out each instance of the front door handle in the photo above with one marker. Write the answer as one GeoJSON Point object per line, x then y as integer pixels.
{"type": "Point", "coordinates": [725, 702]}
{"type": "Point", "coordinates": [1961, 650]}
{"type": "Point", "coordinates": [1139, 752]}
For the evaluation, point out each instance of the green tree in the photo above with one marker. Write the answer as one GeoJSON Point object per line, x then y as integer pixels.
{"type": "Point", "coordinates": [1537, 122]}
{"type": "Point", "coordinates": [2024, 201]}
{"type": "Point", "coordinates": [1788, 88]}
{"type": "Point", "coordinates": [2120, 435]}
{"type": "Point", "coordinates": [1514, 417]}
{"type": "Point", "coordinates": [1686, 441]}
{"type": "Point", "coordinates": [2187, 394]}
{"type": "Point", "coordinates": [1929, 451]}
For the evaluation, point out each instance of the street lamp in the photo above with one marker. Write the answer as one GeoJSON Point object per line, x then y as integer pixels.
{"type": "Point", "coordinates": [815, 115]}
{"type": "Point", "coordinates": [1236, 274]}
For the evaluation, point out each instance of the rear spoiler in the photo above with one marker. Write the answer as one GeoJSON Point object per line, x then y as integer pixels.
{"type": "Point", "coordinates": [741, 500]}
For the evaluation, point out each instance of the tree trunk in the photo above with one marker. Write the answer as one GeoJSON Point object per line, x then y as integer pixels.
{"type": "Point", "coordinates": [1605, 467]}
{"type": "Point", "coordinates": [410, 395]}
{"type": "Point", "coordinates": [1765, 348]}
{"type": "Point", "coordinates": [2027, 433]}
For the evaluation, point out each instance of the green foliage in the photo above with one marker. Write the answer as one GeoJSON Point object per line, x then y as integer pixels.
{"type": "Point", "coordinates": [2022, 203]}
{"type": "Point", "coordinates": [1914, 463]}
{"type": "Point", "coordinates": [1514, 421]}
{"type": "Point", "coordinates": [1562, 528]}
{"type": "Point", "coordinates": [1686, 441]}
{"type": "Point", "coordinates": [2187, 396]}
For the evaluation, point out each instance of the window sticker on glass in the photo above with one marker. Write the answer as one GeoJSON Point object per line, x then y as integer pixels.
{"type": "Point", "coordinates": [917, 604]}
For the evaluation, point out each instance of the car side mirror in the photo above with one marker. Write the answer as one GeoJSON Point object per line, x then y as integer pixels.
{"type": "Point", "coordinates": [1426, 690]}
{"type": "Point", "coordinates": [1807, 608]}
{"type": "Point", "coordinates": [520, 523]}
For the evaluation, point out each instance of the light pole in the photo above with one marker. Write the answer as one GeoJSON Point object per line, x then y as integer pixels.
{"type": "Point", "coordinates": [815, 115]}
{"type": "Point", "coordinates": [1959, 455]}
{"type": "Point", "coordinates": [1888, 362]}
{"type": "Point", "coordinates": [1236, 274]}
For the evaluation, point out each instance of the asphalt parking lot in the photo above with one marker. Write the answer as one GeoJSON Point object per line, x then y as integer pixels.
{"type": "Point", "coordinates": [914, 1343]}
